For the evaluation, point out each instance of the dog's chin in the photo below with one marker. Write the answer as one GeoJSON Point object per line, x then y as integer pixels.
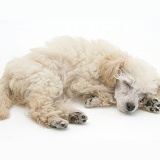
{"type": "Point", "coordinates": [122, 110]}
{"type": "Point", "coordinates": [125, 111]}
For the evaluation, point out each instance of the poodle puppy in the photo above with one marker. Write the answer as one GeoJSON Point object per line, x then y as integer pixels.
{"type": "Point", "coordinates": [49, 78]}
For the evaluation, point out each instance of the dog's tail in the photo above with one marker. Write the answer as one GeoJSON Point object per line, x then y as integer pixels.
{"type": "Point", "coordinates": [5, 101]}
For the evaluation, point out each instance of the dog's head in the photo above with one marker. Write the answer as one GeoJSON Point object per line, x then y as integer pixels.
{"type": "Point", "coordinates": [132, 79]}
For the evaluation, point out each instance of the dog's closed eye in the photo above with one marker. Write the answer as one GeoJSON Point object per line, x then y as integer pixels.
{"type": "Point", "coordinates": [127, 84]}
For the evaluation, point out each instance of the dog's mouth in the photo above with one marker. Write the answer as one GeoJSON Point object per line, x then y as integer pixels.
{"type": "Point", "coordinates": [122, 110]}
{"type": "Point", "coordinates": [129, 108]}
{"type": "Point", "coordinates": [127, 112]}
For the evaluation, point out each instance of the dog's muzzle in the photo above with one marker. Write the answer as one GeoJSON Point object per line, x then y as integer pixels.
{"type": "Point", "coordinates": [130, 107]}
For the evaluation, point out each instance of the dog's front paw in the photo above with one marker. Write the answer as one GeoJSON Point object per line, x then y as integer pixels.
{"type": "Point", "coordinates": [77, 117]}
{"type": "Point", "coordinates": [151, 105]}
{"type": "Point", "coordinates": [92, 102]}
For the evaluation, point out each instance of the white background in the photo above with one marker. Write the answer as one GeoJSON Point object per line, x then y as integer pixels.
{"type": "Point", "coordinates": [109, 134]}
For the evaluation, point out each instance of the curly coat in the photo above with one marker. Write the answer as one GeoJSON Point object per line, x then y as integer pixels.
{"type": "Point", "coordinates": [47, 79]}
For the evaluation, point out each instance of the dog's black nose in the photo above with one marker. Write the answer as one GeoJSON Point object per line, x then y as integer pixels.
{"type": "Point", "coordinates": [130, 107]}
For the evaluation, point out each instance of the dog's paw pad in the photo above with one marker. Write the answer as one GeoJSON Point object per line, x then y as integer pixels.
{"type": "Point", "coordinates": [152, 105]}
{"type": "Point", "coordinates": [77, 117]}
{"type": "Point", "coordinates": [92, 102]}
{"type": "Point", "coordinates": [59, 123]}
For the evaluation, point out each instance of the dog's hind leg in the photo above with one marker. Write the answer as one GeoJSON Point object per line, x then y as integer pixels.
{"type": "Point", "coordinates": [5, 101]}
{"type": "Point", "coordinates": [42, 96]}
{"type": "Point", "coordinates": [56, 113]}
{"type": "Point", "coordinates": [48, 104]}
{"type": "Point", "coordinates": [44, 112]}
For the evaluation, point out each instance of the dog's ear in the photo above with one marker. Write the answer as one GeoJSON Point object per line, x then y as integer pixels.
{"type": "Point", "coordinates": [109, 68]}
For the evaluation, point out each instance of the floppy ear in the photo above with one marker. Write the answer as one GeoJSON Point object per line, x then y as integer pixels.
{"type": "Point", "coordinates": [109, 67]}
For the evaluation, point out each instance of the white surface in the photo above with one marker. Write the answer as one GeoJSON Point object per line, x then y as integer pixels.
{"type": "Point", "coordinates": [133, 26]}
